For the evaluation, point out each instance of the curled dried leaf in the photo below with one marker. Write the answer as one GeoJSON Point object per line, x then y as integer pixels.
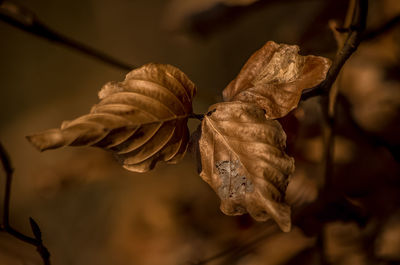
{"type": "Point", "coordinates": [274, 77]}
{"type": "Point", "coordinates": [142, 120]}
{"type": "Point", "coordinates": [243, 160]}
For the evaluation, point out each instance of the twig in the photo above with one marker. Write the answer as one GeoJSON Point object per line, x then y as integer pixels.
{"type": "Point", "coordinates": [350, 46]}
{"type": "Point", "coordinates": [251, 245]}
{"type": "Point", "coordinates": [6, 227]}
{"type": "Point", "coordinates": [390, 24]}
{"type": "Point", "coordinates": [329, 100]}
{"type": "Point", "coordinates": [355, 23]}
{"type": "Point", "coordinates": [27, 21]}
{"type": "Point", "coordinates": [244, 248]}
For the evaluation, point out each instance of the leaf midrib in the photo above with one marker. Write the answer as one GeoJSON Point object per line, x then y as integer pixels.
{"type": "Point", "coordinates": [231, 149]}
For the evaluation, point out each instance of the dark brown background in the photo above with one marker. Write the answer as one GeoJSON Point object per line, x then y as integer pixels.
{"type": "Point", "coordinates": [90, 210]}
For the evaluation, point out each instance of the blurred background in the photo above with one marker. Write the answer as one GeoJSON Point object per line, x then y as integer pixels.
{"type": "Point", "coordinates": [91, 211]}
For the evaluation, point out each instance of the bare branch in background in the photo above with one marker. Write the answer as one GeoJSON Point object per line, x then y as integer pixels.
{"type": "Point", "coordinates": [355, 37]}
{"type": "Point", "coordinates": [329, 100]}
{"type": "Point", "coordinates": [27, 21]}
{"type": "Point", "coordinates": [384, 28]}
{"type": "Point", "coordinates": [6, 227]}
{"type": "Point", "coordinates": [244, 248]}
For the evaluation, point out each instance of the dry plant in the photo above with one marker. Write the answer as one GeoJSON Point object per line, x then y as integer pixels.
{"type": "Point", "coordinates": [240, 143]}
{"type": "Point", "coordinates": [142, 120]}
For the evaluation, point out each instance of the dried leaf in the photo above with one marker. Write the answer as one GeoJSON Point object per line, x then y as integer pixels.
{"type": "Point", "coordinates": [142, 120]}
{"type": "Point", "coordinates": [274, 77]}
{"type": "Point", "coordinates": [243, 160]}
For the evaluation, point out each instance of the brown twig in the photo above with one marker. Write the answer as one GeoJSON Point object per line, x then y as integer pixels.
{"type": "Point", "coordinates": [6, 227]}
{"type": "Point", "coordinates": [240, 250]}
{"type": "Point", "coordinates": [382, 29]}
{"type": "Point", "coordinates": [26, 20]}
{"type": "Point", "coordinates": [355, 23]}
{"type": "Point", "coordinates": [329, 100]}
{"type": "Point", "coordinates": [355, 37]}
{"type": "Point", "coordinates": [347, 41]}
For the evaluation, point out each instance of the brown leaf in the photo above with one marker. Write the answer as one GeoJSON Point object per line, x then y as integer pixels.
{"type": "Point", "coordinates": [143, 119]}
{"type": "Point", "coordinates": [274, 77]}
{"type": "Point", "coordinates": [243, 160]}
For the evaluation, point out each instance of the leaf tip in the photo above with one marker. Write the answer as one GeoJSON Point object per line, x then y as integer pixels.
{"type": "Point", "coordinates": [264, 208]}
{"type": "Point", "coordinates": [46, 140]}
{"type": "Point", "coordinates": [282, 217]}
{"type": "Point", "coordinates": [284, 221]}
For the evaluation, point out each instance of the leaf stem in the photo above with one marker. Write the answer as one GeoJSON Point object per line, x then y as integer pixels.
{"type": "Point", "coordinates": [199, 117]}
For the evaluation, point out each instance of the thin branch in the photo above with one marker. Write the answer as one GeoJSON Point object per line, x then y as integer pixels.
{"type": "Point", "coordinates": [5, 160]}
{"type": "Point", "coordinates": [243, 248]}
{"type": "Point", "coordinates": [353, 41]}
{"type": "Point", "coordinates": [356, 22]}
{"type": "Point", "coordinates": [251, 245]}
{"type": "Point", "coordinates": [382, 29]}
{"type": "Point", "coordinates": [6, 227]}
{"type": "Point", "coordinates": [26, 20]}
{"type": "Point", "coordinates": [329, 100]}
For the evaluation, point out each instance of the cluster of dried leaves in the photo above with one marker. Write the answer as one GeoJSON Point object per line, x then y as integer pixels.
{"type": "Point", "coordinates": [143, 120]}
